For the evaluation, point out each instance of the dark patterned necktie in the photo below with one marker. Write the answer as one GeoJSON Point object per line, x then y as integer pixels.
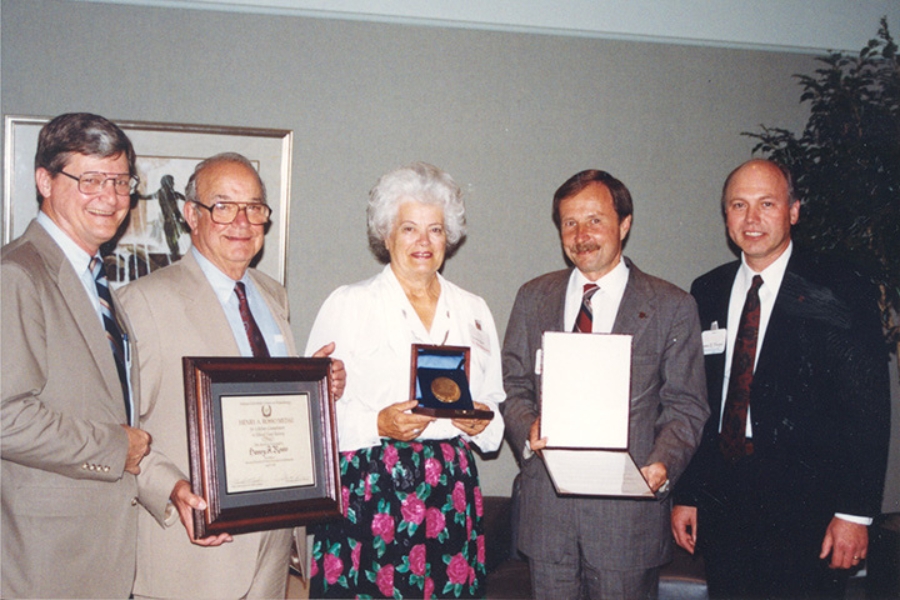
{"type": "Point", "coordinates": [733, 438]}
{"type": "Point", "coordinates": [254, 335]}
{"type": "Point", "coordinates": [113, 333]}
{"type": "Point", "coordinates": [584, 322]}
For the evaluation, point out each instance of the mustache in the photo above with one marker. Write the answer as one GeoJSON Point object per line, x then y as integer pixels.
{"type": "Point", "coordinates": [585, 247]}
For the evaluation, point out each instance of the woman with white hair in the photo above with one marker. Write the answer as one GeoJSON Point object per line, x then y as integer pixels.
{"type": "Point", "coordinates": [412, 502]}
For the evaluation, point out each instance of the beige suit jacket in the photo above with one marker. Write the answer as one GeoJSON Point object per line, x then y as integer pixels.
{"type": "Point", "coordinates": [174, 313]}
{"type": "Point", "coordinates": [69, 514]}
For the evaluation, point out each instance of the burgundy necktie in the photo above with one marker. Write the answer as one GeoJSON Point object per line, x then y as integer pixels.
{"type": "Point", "coordinates": [584, 322]}
{"type": "Point", "coordinates": [254, 335]}
{"type": "Point", "coordinates": [733, 438]}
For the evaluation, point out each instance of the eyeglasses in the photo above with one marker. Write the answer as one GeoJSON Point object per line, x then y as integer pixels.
{"type": "Point", "coordinates": [224, 213]}
{"type": "Point", "coordinates": [91, 182]}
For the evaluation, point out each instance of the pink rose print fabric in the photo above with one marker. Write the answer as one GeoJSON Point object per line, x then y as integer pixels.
{"type": "Point", "coordinates": [412, 525]}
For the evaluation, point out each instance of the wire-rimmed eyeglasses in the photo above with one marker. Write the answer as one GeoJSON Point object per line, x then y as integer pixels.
{"type": "Point", "coordinates": [91, 182]}
{"type": "Point", "coordinates": [224, 213]}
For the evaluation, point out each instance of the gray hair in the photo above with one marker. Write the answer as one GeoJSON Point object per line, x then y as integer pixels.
{"type": "Point", "coordinates": [190, 190]}
{"type": "Point", "coordinates": [421, 182]}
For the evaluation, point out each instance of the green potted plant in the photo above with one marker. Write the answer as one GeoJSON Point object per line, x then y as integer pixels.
{"type": "Point", "coordinates": [846, 165]}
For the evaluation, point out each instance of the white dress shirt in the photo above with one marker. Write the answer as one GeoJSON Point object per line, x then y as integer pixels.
{"type": "Point", "coordinates": [604, 303]}
{"type": "Point", "coordinates": [374, 326]}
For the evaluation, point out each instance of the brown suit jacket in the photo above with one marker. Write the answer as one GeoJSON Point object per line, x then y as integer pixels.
{"type": "Point", "coordinates": [175, 313]}
{"type": "Point", "coordinates": [69, 518]}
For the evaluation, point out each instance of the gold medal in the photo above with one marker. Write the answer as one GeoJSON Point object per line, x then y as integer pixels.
{"type": "Point", "coordinates": [445, 390]}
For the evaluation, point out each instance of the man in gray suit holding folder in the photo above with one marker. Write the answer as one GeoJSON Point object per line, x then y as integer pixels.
{"type": "Point", "coordinates": [604, 547]}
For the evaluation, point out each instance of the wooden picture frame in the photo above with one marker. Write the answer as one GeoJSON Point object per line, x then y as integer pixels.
{"type": "Point", "coordinates": [262, 440]}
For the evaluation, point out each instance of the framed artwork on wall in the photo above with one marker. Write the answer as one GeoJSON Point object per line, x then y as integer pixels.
{"type": "Point", "coordinates": [155, 234]}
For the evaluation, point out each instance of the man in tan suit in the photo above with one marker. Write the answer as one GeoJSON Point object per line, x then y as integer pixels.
{"type": "Point", "coordinates": [69, 451]}
{"type": "Point", "coordinates": [193, 308]}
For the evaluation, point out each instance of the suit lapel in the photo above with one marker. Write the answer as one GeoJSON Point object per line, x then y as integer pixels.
{"type": "Point", "coordinates": [778, 346]}
{"type": "Point", "coordinates": [713, 301]}
{"type": "Point", "coordinates": [555, 314]}
{"type": "Point", "coordinates": [83, 314]}
{"type": "Point", "coordinates": [637, 306]}
{"type": "Point", "coordinates": [202, 306]}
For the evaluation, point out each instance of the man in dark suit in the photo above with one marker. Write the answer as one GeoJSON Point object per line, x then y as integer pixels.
{"type": "Point", "coordinates": [781, 490]}
{"type": "Point", "coordinates": [69, 448]}
{"type": "Point", "coordinates": [604, 547]}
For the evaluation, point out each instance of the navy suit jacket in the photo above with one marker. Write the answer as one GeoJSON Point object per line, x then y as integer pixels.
{"type": "Point", "coordinates": [819, 401]}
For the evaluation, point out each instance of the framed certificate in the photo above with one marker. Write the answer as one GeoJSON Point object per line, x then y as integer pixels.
{"type": "Point", "coordinates": [439, 381]}
{"type": "Point", "coordinates": [262, 440]}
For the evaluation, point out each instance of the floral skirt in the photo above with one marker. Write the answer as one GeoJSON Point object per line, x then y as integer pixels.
{"type": "Point", "coordinates": [411, 528]}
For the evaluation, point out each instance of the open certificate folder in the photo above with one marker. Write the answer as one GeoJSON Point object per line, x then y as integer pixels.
{"type": "Point", "coordinates": [585, 405]}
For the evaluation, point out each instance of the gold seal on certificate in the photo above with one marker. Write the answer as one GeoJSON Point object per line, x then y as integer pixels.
{"type": "Point", "coordinates": [445, 390]}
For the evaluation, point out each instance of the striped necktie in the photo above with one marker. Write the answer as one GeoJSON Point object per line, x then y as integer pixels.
{"type": "Point", "coordinates": [113, 333]}
{"type": "Point", "coordinates": [584, 322]}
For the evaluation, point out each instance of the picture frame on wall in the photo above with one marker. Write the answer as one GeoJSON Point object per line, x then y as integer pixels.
{"type": "Point", "coordinates": [155, 234]}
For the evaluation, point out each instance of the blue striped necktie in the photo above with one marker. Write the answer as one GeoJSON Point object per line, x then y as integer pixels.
{"type": "Point", "coordinates": [113, 333]}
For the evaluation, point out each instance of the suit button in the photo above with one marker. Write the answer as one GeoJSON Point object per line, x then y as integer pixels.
{"type": "Point", "coordinates": [85, 467]}
{"type": "Point", "coordinates": [134, 501]}
{"type": "Point", "coordinates": [106, 468]}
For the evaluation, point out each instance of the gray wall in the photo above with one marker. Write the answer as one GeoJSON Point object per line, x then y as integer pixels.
{"type": "Point", "coordinates": [509, 115]}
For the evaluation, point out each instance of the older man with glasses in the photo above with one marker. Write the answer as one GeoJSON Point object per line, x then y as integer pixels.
{"type": "Point", "coordinates": [208, 304]}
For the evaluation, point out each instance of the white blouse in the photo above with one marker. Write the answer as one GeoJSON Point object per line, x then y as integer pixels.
{"type": "Point", "coordinates": [374, 326]}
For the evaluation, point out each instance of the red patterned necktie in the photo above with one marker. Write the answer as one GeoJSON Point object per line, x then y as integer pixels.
{"type": "Point", "coordinates": [733, 438]}
{"type": "Point", "coordinates": [254, 335]}
{"type": "Point", "coordinates": [584, 322]}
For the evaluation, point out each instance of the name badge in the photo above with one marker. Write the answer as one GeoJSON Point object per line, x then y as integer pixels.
{"type": "Point", "coordinates": [714, 339]}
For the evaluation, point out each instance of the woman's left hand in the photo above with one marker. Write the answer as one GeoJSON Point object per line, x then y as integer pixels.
{"type": "Point", "coordinates": [473, 427]}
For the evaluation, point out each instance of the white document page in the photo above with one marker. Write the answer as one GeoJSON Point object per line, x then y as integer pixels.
{"type": "Point", "coordinates": [595, 473]}
{"type": "Point", "coordinates": [585, 390]}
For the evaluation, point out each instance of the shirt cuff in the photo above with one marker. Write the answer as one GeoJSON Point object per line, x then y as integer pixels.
{"type": "Point", "coordinates": [172, 516]}
{"type": "Point", "coordinates": [855, 519]}
{"type": "Point", "coordinates": [527, 452]}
